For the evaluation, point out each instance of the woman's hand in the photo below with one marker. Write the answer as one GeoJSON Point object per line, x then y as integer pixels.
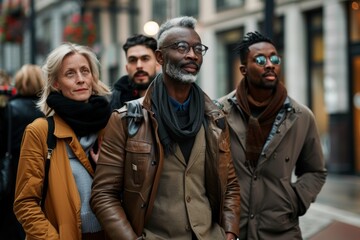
{"type": "Point", "coordinates": [95, 153]}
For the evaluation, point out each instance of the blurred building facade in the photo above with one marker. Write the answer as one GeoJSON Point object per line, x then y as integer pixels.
{"type": "Point", "coordinates": [318, 39]}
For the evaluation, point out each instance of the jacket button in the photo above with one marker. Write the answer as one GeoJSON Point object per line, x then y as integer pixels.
{"type": "Point", "coordinates": [188, 199]}
{"type": "Point", "coordinates": [255, 177]}
{"type": "Point", "coordinates": [287, 159]}
{"type": "Point", "coordinates": [252, 216]}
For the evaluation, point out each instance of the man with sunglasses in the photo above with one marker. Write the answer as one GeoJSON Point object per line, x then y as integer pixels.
{"type": "Point", "coordinates": [272, 137]}
{"type": "Point", "coordinates": [165, 171]}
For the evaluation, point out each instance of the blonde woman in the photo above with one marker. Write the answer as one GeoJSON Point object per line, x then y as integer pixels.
{"type": "Point", "coordinates": [74, 95]}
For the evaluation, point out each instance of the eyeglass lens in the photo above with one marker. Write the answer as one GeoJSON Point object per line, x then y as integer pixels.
{"type": "Point", "coordinates": [184, 47]}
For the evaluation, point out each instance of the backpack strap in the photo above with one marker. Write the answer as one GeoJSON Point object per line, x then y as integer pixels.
{"type": "Point", "coordinates": [51, 143]}
{"type": "Point", "coordinates": [134, 116]}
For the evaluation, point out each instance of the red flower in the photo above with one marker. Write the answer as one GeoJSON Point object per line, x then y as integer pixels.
{"type": "Point", "coordinates": [12, 21]}
{"type": "Point", "coordinates": [80, 30]}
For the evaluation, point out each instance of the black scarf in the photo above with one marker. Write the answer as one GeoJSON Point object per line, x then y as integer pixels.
{"type": "Point", "coordinates": [83, 118]}
{"type": "Point", "coordinates": [170, 130]}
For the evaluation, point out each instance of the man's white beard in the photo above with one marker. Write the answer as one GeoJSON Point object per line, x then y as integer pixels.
{"type": "Point", "coordinates": [176, 74]}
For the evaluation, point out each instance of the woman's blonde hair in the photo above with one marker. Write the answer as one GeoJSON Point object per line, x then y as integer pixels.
{"type": "Point", "coordinates": [29, 80]}
{"type": "Point", "coordinates": [52, 67]}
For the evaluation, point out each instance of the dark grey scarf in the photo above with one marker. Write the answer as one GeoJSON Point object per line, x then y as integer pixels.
{"type": "Point", "coordinates": [170, 130]}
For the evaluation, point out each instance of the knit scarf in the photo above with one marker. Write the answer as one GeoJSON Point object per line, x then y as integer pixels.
{"type": "Point", "coordinates": [83, 118]}
{"type": "Point", "coordinates": [259, 124]}
{"type": "Point", "coordinates": [170, 130]}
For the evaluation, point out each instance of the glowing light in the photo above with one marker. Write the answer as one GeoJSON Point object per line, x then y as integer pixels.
{"type": "Point", "coordinates": [151, 28]}
{"type": "Point", "coordinates": [355, 5]}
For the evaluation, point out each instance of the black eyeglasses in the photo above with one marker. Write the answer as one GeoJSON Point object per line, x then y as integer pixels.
{"type": "Point", "coordinates": [261, 60]}
{"type": "Point", "coordinates": [184, 47]}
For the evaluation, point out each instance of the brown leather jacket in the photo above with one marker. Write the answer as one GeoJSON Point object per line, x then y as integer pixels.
{"type": "Point", "coordinates": [129, 168]}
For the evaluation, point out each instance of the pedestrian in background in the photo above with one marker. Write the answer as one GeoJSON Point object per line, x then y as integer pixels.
{"type": "Point", "coordinates": [174, 178]}
{"type": "Point", "coordinates": [5, 83]}
{"type": "Point", "coordinates": [141, 67]}
{"type": "Point", "coordinates": [20, 111]}
{"type": "Point", "coordinates": [272, 137]}
{"type": "Point", "coordinates": [75, 97]}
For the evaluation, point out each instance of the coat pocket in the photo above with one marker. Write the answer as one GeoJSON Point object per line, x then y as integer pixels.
{"type": "Point", "coordinates": [138, 156]}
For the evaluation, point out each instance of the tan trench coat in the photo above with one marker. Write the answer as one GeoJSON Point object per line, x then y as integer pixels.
{"type": "Point", "coordinates": [61, 219]}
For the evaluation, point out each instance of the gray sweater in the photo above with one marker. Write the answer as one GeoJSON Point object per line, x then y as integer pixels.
{"type": "Point", "coordinates": [83, 179]}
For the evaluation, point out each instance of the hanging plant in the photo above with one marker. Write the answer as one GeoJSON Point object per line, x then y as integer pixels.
{"type": "Point", "coordinates": [80, 30]}
{"type": "Point", "coordinates": [12, 22]}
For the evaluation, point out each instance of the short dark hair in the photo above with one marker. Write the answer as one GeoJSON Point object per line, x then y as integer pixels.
{"type": "Point", "coordinates": [249, 39]}
{"type": "Point", "coordinates": [140, 39]}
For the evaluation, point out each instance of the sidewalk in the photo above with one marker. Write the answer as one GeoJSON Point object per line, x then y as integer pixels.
{"type": "Point", "coordinates": [336, 213]}
{"type": "Point", "coordinates": [323, 222]}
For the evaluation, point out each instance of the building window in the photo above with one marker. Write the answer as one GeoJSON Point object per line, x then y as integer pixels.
{"type": "Point", "coordinates": [164, 9]}
{"type": "Point", "coordinates": [159, 10]}
{"type": "Point", "coordinates": [316, 84]}
{"type": "Point", "coordinates": [189, 8]}
{"type": "Point", "coordinates": [227, 4]}
{"type": "Point", "coordinates": [354, 20]}
{"type": "Point", "coordinates": [354, 52]}
{"type": "Point", "coordinates": [229, 61]}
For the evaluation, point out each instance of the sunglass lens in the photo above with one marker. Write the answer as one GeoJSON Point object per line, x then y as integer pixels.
{"type": "Point", "coordinates": [261, 60]}
{"type": "Point", "coordinates": [275, 60]}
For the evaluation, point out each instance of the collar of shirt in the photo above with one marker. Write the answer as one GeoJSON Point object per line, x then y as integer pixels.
{"type": "Point", "coordinates": [178, 106]}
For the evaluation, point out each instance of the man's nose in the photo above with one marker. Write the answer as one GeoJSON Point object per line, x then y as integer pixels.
{"type": "Point", "coordinates": [139, 63]}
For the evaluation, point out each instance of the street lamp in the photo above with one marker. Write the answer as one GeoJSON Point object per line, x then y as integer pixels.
{"type": "Point", "coordinates": [151, 28]}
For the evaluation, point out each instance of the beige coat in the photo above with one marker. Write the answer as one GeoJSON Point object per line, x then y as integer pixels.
{"type": "Point", "coordinates": [61, 219]}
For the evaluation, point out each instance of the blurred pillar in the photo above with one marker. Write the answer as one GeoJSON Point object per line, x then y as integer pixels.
{"type": "Point", "coordinates": [32, 31]}
{"type": "Point", "coordinates": [269, 18]}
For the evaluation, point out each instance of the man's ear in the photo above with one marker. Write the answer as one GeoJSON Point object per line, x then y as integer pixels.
{"type": "Point", "coordinates": [243, 70]}
{"type": "Point", "coordinates": [159, 57]}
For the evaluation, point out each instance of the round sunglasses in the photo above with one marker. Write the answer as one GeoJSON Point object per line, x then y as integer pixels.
{"type": "Point", "coordinates": [262, 60]}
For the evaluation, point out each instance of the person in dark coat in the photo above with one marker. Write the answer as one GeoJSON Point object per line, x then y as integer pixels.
{"type": "Point", "coordinates": [141, 67]}
{"type": "Point", "coordinates": [5, 84]}
{"type": "Point", "coordinates": [22, 109]}
{"type": "Point", "coordinates": [275, 146]}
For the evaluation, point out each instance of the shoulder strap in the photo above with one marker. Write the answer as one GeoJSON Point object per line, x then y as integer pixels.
{"type": "Point", "coordinates": [51, 143]}
{"type": "Point", "coordinates": [9, 128]}
{"type": "Point", "coordinates": [134, 116]}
